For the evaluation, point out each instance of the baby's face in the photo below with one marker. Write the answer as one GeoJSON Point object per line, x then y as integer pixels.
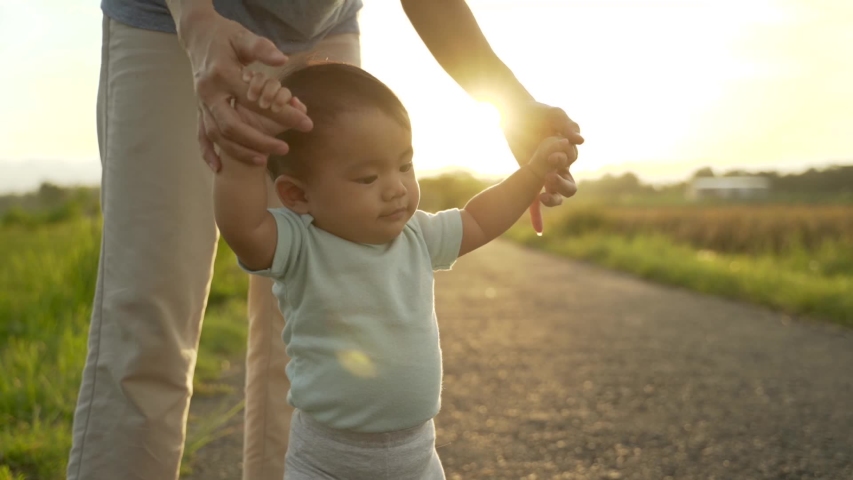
{"type": "Point", "coordinates": [362, 184]}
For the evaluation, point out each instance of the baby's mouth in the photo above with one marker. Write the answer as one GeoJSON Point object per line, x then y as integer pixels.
{"type": "Point", "coordinates": [394, 213]}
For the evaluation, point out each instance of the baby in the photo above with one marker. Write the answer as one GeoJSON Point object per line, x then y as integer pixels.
{"type": "Point", "coordinates": [353, 258]}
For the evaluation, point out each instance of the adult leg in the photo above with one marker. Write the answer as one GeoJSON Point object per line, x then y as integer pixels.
{"type": "Point", "coordinates": [159, 240]}
{"type": "Point", "coordinates": [267, 412]}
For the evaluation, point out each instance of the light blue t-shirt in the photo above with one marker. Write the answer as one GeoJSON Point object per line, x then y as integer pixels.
{"type": "Point", "coordinates": [293, 25]}
{"type": "Point", "coordinates": [361, 330]}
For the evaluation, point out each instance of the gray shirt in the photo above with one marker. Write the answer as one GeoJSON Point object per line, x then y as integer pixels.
{"type": "Point", "coordinates": [293, 25]}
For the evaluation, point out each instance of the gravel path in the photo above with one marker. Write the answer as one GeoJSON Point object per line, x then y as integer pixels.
{"type": "Point", "coordinates": [560, 370]}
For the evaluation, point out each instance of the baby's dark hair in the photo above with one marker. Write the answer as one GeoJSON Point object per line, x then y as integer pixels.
{"type": "Point", "coordinates": [329, 89]}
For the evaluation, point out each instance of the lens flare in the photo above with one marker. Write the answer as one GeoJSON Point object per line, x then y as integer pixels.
{"type": "Point", "coordinates": [357, 363]}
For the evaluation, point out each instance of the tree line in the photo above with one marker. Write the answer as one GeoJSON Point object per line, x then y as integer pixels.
{"type": "Point", "coordinates": [56, 203]}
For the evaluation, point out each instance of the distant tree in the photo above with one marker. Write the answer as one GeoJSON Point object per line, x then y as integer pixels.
{"type": "Point", "coordinates": [628, 184]}
{"type": "Point", "coordinates": [53, 203]}
{"type": "Point", "coordinates": [703, 172]}
{"type": "Point", "coordinates": [50, 195]}
{"type": "Point", "coordinates": [676, 189]}
{"type": "Point", "coordinates": [449, 190]}
{"type": "Point", "coordinates": [833, 180]}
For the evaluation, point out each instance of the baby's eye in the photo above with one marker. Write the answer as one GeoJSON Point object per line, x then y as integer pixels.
{"type": "Point", "coordinates": [405, 168]}
{"type": "Point", "coordinates": [367, 180]}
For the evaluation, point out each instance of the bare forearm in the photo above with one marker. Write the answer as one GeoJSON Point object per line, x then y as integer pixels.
{"type": "Point", "coordinates": [499, 207]}
{"type": "Point", "coordinates": [451, 33]}
{"type": "Point", "coordinates": [240, 209]}
{"type": "Point", "coordinates": [185, 10]}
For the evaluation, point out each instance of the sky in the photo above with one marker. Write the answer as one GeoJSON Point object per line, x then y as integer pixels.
{"type": "Point", "coordinates": [659, 87]}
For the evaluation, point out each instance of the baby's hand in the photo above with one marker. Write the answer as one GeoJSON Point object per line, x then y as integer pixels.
{"type": "Point", "coordinates": [554, 153]}
{"type": "Point", "coordinates": [268, 92]}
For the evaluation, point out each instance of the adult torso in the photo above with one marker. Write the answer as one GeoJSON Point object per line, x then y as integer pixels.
{"type": "Point", "coordinates": [294, 25]}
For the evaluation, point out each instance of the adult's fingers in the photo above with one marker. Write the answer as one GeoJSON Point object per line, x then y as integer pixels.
{"type": "Point", "coordinates": [252, 48]}
{"type": "Point", "coordinates": [565, 126]}
{"type": "Point", "coordinates": [292, 115]}
{"type": "Point", "coordinates": [208, 152]}
{"type": "Point", "coordinates": [236, 150]}
{"type": "Point", "coordinates": [256, 86]}
{"type": "Point", "coordinates": [297, 104]}
{"type": "Point", "coordinates": [561, 183]}
{"type": "Point", "coordinates": [550, 199]}
{"type": "Point", "coordinates": [232, 128]}
{"type": "Point", "coordinates": [262, 122]}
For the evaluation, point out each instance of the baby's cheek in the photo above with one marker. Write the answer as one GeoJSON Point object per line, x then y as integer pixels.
{"type": "Point", "coordinates": [415, 193]}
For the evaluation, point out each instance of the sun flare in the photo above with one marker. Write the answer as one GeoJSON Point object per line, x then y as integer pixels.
{"type": "Point", "coordinates": [487, 114]}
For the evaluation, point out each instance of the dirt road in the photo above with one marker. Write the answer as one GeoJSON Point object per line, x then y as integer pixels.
{"type": "Point", "coordinates": [557, 369]}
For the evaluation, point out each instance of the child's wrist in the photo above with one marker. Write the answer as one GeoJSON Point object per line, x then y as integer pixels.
{"type": "Point", "coordinates": [539, 173]}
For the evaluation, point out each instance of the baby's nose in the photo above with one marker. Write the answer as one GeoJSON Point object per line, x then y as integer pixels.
{"type": "Point", "coordinates": [395, 190]}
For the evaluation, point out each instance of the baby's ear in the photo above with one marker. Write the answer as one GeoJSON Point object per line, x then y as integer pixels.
{"type": "Point", "coordinates": [291, 192]}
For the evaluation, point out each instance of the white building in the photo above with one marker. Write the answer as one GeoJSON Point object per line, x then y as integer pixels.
{"type": "Point", "coordinates": [728, 188]}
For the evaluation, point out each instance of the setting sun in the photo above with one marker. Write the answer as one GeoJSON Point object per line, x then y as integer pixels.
{"type": "Point", "coordinates": [658, 88]}
{"type": "Point", "coordinates": [487, 115]}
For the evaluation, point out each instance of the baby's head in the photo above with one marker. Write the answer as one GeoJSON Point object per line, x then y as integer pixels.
{"type": "Point", "coordinates": [353, 171]}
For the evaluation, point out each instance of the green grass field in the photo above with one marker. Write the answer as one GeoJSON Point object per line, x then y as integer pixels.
{"type": "Point", "coordinates": [794, 259]}
{"type": "Point", "coordinates": [47, 279]}
{"type": "Point", "coordinates": [797, 260]}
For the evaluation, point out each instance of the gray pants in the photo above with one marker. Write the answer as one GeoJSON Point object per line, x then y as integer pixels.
{"type": "Point", "coordinates": [317, 452]}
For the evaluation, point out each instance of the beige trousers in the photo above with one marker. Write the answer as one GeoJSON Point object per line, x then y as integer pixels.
{"type": "Point", "coordinates": [159, 241]}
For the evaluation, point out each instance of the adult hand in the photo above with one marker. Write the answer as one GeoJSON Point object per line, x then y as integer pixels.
{"type": "Point", "coordinates": [266, 92]}
{"type": "Point", "coordinates": [525, 126]}
{"type": "Point", "coordinates": [219, 49]}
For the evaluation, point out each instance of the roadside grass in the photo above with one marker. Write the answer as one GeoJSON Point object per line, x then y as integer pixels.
{"type": "Point", "coordinates": [790, 281]}
{"type": "Point", "coordinates": [48, 272]}
{"type": "Point", "coordinates": [797, 260]}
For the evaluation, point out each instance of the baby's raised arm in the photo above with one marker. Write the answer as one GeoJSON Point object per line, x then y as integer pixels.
{"type": "Point", "coordinates": [491, 212]}
{"type": "Point", "coordinates": [240, 191]}
{"type": "Point", "coordinates": [240, 209]}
